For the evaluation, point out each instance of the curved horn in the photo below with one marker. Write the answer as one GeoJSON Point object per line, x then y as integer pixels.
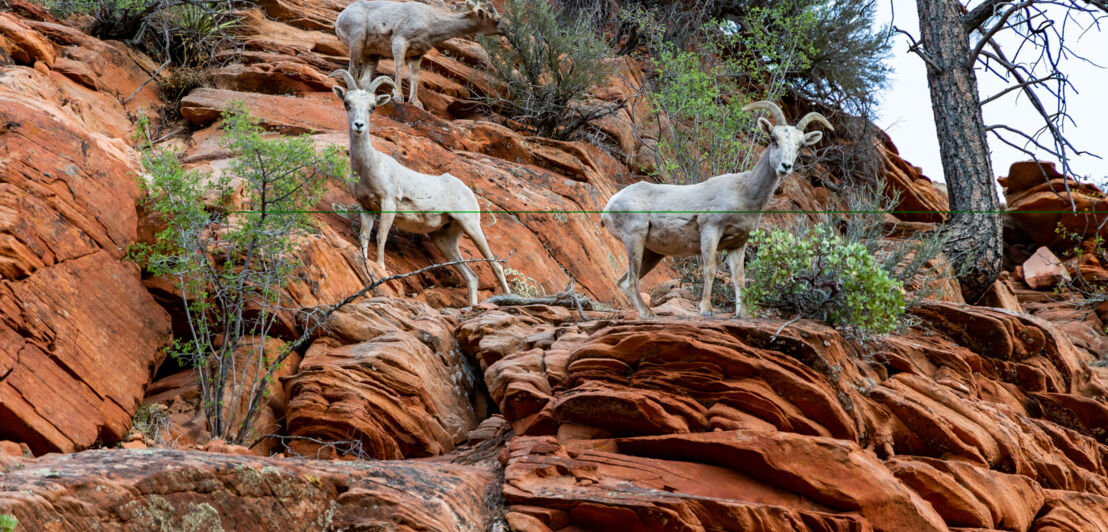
{"type": "Point", "coordinates": [778, 116]}
{"type": "Point", "coordinates": [350, 83]}
{"type": "Point", "coordinates": [372, 88]}
{"type": "Point", "coordinates": [813, 117]}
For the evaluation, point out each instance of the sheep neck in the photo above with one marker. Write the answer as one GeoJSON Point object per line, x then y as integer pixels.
{"type": "Point", "coordinates": [453, 25]}
{"type": "Point", "coordinates": [363, 158]}
{"type": "Point", "coordinates": [764, 178]}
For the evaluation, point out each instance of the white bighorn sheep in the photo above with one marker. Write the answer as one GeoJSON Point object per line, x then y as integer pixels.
{"type": "Point", "coordinates": [655, 220]}
{"type": "Point", "coordinates": [440, 205]}
{"type": "Point", "coordinates": [407, 30]}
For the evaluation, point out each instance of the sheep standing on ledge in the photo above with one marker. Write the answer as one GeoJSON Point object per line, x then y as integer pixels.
{"type": "Point", "coordinates": [714, 215]}
{"type": "Point", "coordinates": [407, 30]}
{"type": "Point", "coordinates": [440, 205]}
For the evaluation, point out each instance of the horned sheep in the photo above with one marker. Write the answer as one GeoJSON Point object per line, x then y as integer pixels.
{"type": "Point", "coordinates": [440, 205]}
{"type": "Point", "coordinates": [659, 220]}
{"type": "Point", "coordinates": [407, 30]}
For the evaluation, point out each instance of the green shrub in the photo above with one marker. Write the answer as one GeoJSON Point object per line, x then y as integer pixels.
{"type": "Point", "coordinates": [185, 31]}
{"type": "Point", "coordinates": [698, 93]}
{"type": "Point", "coordinates": [230, 244]}
{"type": "Point", "coordinates": [822, 276]}
{"type": "Point", "coordinates": [8, 523]}
{"type": "Point", "coordinates": [547, 61]}
{"type": "Point", "coordinates": [848, 59]}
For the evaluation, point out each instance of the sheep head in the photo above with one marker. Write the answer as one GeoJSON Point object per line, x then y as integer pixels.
{"type": "Point", "coordinates": [360, 102]}
{"type": "Point", "coordinates": [488, 20]}
{"type": "Point", "coordinates": [786, 140]}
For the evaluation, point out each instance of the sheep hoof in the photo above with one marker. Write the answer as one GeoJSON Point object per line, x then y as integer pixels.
{"type": "Point", "coordinates": [417, 104]}
{"type": "Point", "coordinates": [707, 314]}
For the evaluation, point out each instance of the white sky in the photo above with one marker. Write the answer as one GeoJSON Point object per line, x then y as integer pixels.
{"type": "Point", "coordinates": [905, 108]}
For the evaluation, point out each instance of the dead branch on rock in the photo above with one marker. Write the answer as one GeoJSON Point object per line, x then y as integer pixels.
{"type": "Point", "coordinates": [342, 448]}
{"type": "Point", "coordinates": [566, 298]}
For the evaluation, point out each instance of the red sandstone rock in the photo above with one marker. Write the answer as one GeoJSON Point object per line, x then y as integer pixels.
{"type": "Point", "coordinates": [916, 192]}
{"type": "Point", "coordinates": [179, 490]}
{"type": "Point", "coordinates": [399, 390]}
{"type": "Point", "coordinates": [1043, 270]}
{"type": "Point", "coordinates": [1000, 295]}
{"type": "Point", "coordinates": [960, 392]}
{"type": "Point", "coordinates": [23, 44]}
{"type": "Point", "coordinates": [1041, 200]}
{"type": "Point", "coordinates": [285, 114]}
{"type": "Point", "coordinates": [81, 335]}
{"type": "Point", "coordinates": [599, 488]}
{"type": "Point", "coordinates": [111, 67]}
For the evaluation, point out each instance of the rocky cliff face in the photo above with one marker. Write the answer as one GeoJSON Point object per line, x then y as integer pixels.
{"type": "Point", "coordinates": [534, 416]}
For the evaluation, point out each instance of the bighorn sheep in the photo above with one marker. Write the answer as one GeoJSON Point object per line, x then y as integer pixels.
{"type": "Point", "coordinates": [656, 220]}
{"type": "Point", "coordinates": [407, 30]}
{"type": "Point", "coordinates": [440, 205]}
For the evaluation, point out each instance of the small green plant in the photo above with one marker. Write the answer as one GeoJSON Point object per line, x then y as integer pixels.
{"type": "Point", "coordinates": [8, 523]}
{"type": "Point", "coordinates": [547, 61]}
{"type": "Point", "coordinates": [230, 244]}
{"type": "Point", "coordinates": [822, 276]}
{"type": "Point", "coordinates": [1085, 249]}
{"type": "Point", "coordinates": [152, 420]}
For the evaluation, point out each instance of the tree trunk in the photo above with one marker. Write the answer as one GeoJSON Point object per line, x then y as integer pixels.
{"type": "Point", "coordinates": [975, 237]}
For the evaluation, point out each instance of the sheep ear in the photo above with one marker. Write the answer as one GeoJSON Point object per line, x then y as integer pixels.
{"type": "Point", "coordinates": [812, 137]}
{"type": "Point", "coordinates": [382, 99]}
{"type": "Point", "coordinates": [339, 91]}
{"type": "Point", "coordinates": [766, 126]}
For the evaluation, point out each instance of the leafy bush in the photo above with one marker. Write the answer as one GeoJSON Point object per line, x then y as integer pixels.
{"type": "Point", "coordinates": [699, 92]}
{"type": "Point", "coordinates": [1086, 247]}
{"type": "Point", "coordinates": [822, 276]}
{"type": "Point", "coordinates": [547, 61]}
{"type": "Point", "coordinates": [185, 31]}
{"type": "Point", "coordinates": [190, 34]}
{"type": "Point", "coordinates": [847, 65]}
{"type": "Point", "coordinates": [231, 265]}
{"type": "Point", "coordinates": [8, 523]}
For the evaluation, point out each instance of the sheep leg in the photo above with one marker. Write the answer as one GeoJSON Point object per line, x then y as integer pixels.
{"type": "Point", "coordinates": [369, 69]}
{"type": "Point", "coordinates": [363, 234]}
{"type": "Point", "coordinates": [413, 81]}
{"type": "Point", "coordinates": [474, 232]}
{"type": "Point", "coordinates": [356, 59]}
{"type": "Point", "coordinates": [709, 240]}
{"type": "Point", "coordinates": [650, 259]}
{"type": "Point", "coordinates": [399, 55]}
{"type": "Point", "coordinates": [388, 212]}
{"type": "Point", "coordinates": [635, 247]}
{"type": "Point", "coordinates": [446, 239]}
{"type": "Point", "coordinates": [736, 259]}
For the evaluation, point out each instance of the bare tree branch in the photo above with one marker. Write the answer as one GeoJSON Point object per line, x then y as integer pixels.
{"type": "Point", "coordinates": [981, 13]}
{"type": "Point", "coordinates": [914, 48]}
{"type": "Point", "coordinates": [1019, 86]}
{"type": "Point", "coordinates": [991, 32]}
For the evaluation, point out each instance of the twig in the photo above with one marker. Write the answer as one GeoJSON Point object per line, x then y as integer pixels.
{"type": "Point", "coordinates": [914, 48]}
{"type": "Point", "coordinates": [342, 447]}
{"type": "Point", "coordinates": [783, 325]}
{"type": "Point", "coordinates": [148, 80]}
{"type": "Point", "coordinates": [566, 298]}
